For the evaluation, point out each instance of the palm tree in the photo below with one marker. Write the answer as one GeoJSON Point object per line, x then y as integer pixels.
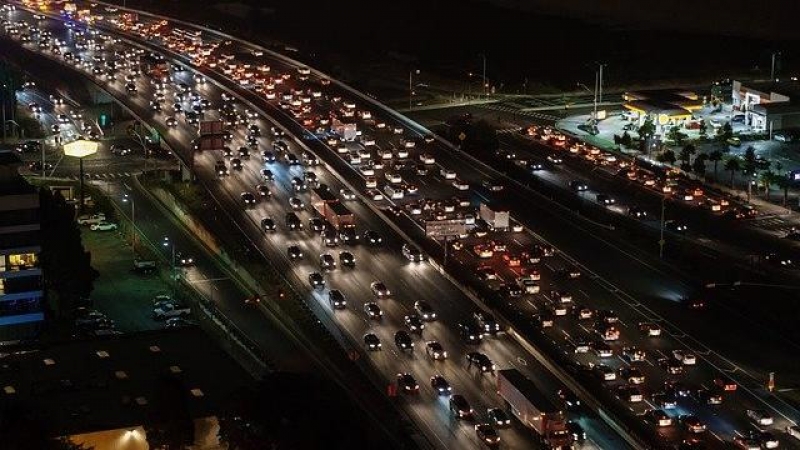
{"type": "Point", "coordinates": [783, 184]}
{"type": "Point", "coordinates": [766, 179]}
{"type": "Point", "coordinates": [733, 165]}
{"type": "Point", "coordinates": [715, 157]}
{"type": "Point", "coordinates": [687, 152]}
{"type": "Point", "coordinates": [699, 165]}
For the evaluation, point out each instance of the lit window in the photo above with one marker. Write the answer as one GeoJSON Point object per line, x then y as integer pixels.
{"type": "Point", "coordinates": [22, 260]}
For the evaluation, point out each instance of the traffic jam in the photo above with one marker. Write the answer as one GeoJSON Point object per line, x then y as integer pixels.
{"type": "Point", "coordinates": [640, 361]}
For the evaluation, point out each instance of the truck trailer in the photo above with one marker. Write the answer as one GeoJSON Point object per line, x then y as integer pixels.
{"type": "Point", "coordinates": [533, 409]}
{"type": "Point", "coordinates": [331, 209]}
{"type": "Point", "coordinates": [498, 218]}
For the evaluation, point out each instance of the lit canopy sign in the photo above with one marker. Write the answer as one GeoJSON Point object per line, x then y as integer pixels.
{"type": "Point", "coordinates": [80, 148]}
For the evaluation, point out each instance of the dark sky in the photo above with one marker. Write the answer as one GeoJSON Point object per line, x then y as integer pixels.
{"type": "Point", "coordinates": [771, 19]}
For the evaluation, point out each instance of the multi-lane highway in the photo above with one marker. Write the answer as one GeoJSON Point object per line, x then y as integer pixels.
{"type": "Point", "coordinates": [411, 282]}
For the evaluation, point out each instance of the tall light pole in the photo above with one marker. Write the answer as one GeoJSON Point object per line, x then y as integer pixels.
{"type": "Point", "coordinates": [81, 149]}
{"type": "Point", "coordinates": [129, 199]}
{"type": "Point", "coordinates": [484, 75]}
{"type": "Point", "coordinates": [772, 67]}
{"type": "Point", "coordinates": [661, 241]}
{"type": "Point", "coordinates": [168, 243]}
{"type": "Point", "coordinates": [411, 85]}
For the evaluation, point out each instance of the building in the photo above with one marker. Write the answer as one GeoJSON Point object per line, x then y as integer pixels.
{"type": "Point", "coordinates": [21, 293]}
{"type": "Point", "coordinates": [768, 106]}
{"type": "Point", "coordinates": [664, 106]}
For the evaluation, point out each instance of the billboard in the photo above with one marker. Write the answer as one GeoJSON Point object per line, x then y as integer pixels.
{"type": "Point", "coordinates": [441, 229]}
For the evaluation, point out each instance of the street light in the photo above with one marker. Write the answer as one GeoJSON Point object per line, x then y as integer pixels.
{"type": "Point", "coordinates": [411, 74]}
{"type": "Point", "coordinates": [129, 199]}
{"type": "Point", "coordinates": [81, 149]}
{"type": "Point", "coordinates": [168, 243]}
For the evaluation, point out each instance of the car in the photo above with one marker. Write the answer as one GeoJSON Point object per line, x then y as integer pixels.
{"type": "Point", "coordinates": [168, 310]}
{"type": "Point", "coordinates": [569, 399]}
{"type": "Point", "coordinates": [294, 252]}
{"type": "Point", "coordinates": [316, 280]}
{"type": "Point", "coordinates": [578, 186]}
{"type": "Point", "coordinates": [470, 333]}
{"type": "Point", "coordinates": [248, 199]}
{"type": "Point", "coordinates": [672, 366]}
{"type": "Point", "coordinates": [184, 260]}
{"type": "Point", "coordinates": [687, 358]}
{"type": "Point", "coordinates": [569, 271]}
{"type": "Point", "coordinates": [120, 150]}
{"type": "Point", "coordinates": [346, 259]}
{"type": "Point", "coordinates": [725, 384]}
{"type": "Point", "coordinates": [178, 322]}
{"type": "Point", "coordinates": [435, 350]}
{"type": "Point", "coordinates": [486, 322]}
{"type": "Point", "coordinates": [793, 431]}
{"type": "Point", "coordinates": [601, 348]}
{"type": "Point", "coordinates": [658, 417]}
{"type": "Point", "coordinates": [440, 385]}
{"type": "Point", "coordinates": [327, 261]}
{"type": "Point", "coordinates": [103, 226]}
{"type": "Point", "coordinates": [554, 159]}
{"type": "Point", "coordinates": [407, 383]}
{"type": "Point", "coordinates": [296, 204]}
{"type": "Point", "coordinates": [372, 342]}
{"type": "Point", "coordinates": [316, 224]}
{"type": "Point", "coordinates": [498, 418]}
{"type": "Point", "coordinates": [678, 388]}
{"type": "Point", "coordinates": [768, 440]}
{"type": "Point", "coordinates": [414, 323]}
{"type": "Point", "coordinates": [779, 260]}
{"type": "Point", "coordinates": [487, 434]}
{"type": "Point", "coordinates": [481, 361]}
{"type": "Point", "coordinates": [604, 372]}
{"type": "Point", "coordinates": [692, 423]}
{"type": "Point", "coordinates": [460, 407]}
{"type": "Point", "coordinates": [373, 238]}
{"type": "Point", "coordinates": [268, 224]}
{"type": "Point", "coordinates": [91, 220]}
{"type": "Point", "coordinates": [379, 289]}
{"type": "Point", "coordinates": [747, 442]}
{"type": "Point", "coordinates": [709, 396]}
{"type": "Point", "coordinates": [630, 393]}
{"type": "Point", "coordinates": [425, 310]}
{"type": "Point", "coordinates": [576, 431]}
{"type": "Point", "coordinates": [632, 375]}
{"type": "Point", "coordinates": [650, 329]}
{"type": "Point", "coordinates": [337, 299]}
{"type": "Point", "coordinates": [760, 417]}
{"type": "Point", "coordinates": [605, 199]}
{"type": "Point", "coordinates": [664, 400]}
{"type": "Point", "coordinates": [373, 311]}
{"type": "Point", "coordinates": [403, 341]}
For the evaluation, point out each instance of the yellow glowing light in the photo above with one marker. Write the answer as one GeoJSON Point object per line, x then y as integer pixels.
{"type": "Point", "coordinates": [80, 148]}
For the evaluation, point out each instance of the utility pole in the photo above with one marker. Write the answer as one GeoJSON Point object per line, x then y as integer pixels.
{"type": "Point", "coordinates": [484, 74]}
{"type": "Point", "coordinates": [596, 87]}
{"type": "Point", "coordinates": [772, 69]}
{"type": "Point", "coordinates": [600, 94]}
{"type": "Point", "coordinates": [661, 241]}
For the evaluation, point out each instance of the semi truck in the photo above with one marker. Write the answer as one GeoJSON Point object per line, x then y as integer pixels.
{"type": "Point", "coordinates": [533, 409]}
{"type": "Point", "coordinates": [331, 209]}
{"type": "Point", "coordinates": [212, 127]}
{"type": "Point", "coordinates": [497, 217]}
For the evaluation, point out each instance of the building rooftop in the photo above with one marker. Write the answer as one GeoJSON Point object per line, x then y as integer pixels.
{"type": "Point", "coordinates": [11, 182]}
{"type": "Point", "coordinates": [143, 378]}
{"type": "Point", "coordinates": [788, 88]}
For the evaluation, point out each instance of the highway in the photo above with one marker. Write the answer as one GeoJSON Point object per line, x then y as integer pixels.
{"type": "Point", "coordinates": [408, 282]}
{"type": "Point", "coordinates": [387, 264]}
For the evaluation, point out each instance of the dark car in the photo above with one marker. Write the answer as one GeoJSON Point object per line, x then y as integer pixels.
{"type": "Point", "coordinates": [403, 341]}
{"type": "Point", "coordinates": [440, 385]}
{"type": "Point", "coordinates": [577, 431]}
{"type": "Point", "coordinates": [337, 299]}
{"type": "Point", "coordinates": [470, 333]}
{"type": "Point", "coordinates": [373, 238]}
{"type": "Point", "coordinates": [248, 199]}
{"type": "Point", "coordinates": [294, 252]}
{"type": "Point", "coordinates": [373, 311]}
{"type": "Point", "coordinates": [570, 400]}
{"type": "Point", "coordinates": [316, 280]}
{"type": "Point", "coordinates": [498, 417]}
{"type": "Point", "coordinates": [372, 342]}
{"type": "Point", "coordinates": [480, 361]}
{"type": "Point", "coordinates": [460, 407]}
{"type": "Point", "coordinates": [407, 383]}
{"type": "Point", "coordinates": [268, 224]}
{"type": "Point", "coordinates": [414, 323]}
{"type": "Point", "coordinates": [346, 259]}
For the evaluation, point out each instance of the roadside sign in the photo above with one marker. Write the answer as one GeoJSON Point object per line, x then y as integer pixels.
{"type": "Point", "coordinates": [441, 229]}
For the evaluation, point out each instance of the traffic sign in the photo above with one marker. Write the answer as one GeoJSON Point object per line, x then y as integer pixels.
{"type": "Point", "coordinates": [441, 229]}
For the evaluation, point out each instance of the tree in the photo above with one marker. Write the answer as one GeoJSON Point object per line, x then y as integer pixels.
{"type": "Point", "coordinates": [647, 129]}
{"type": "Point", "coordinates": [715, 157]}
{"type": "Point", "coordinates": [686, 153]}
{"type": "Point", "coordinates": [69, 275]}
{"type": "Point", "coordinates": [667, 156]}
{"type": "Point", "coordinates": [703, 129]}
{"type": "Point", "coordinates": [676, 135]}
{"type": "Point", "coordinates": [10, 83]}
{"type": "Point", "coordinates": [733, 165]}
{"type": "Point", "coordinates": [783, 183]}
{"type": "Point", "coordinates": [699, 164]}
{"type": "Point", "coordinates": [725, 132]}
{"type": "Point", "coordinates": [749, 164]}
{"type": "Point", "coordinates": [626, 140]}
{"type": "Point", "coordinates": [766, 178]}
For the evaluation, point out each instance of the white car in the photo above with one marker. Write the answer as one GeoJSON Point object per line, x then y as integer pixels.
{"type": "Point", "coordinates": [91, 220]}
{"type": "Point", "coordinates": [793, 431]}
{"type": "Point", "coordinates": [688, 359]}
{"type": "Point", "coordinates": [448, 174]}
{"type": "Point", "coordinates": [393, 177]}
{"type": "Point", "coordinates": [347, 194]}
{"type": "Point", "coordinates": [460, 185]}
{"type": "Point", "coordinates": [103, 226]}
{"type": "Point", "coordinates": [427, 159]}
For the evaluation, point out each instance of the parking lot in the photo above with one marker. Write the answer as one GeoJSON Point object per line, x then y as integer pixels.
{"type": "Point", "coordinates": [123, 295]}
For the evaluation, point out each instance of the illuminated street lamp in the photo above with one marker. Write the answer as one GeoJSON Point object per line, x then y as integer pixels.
{"type": "Point", "coordinates": [80, 149]}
